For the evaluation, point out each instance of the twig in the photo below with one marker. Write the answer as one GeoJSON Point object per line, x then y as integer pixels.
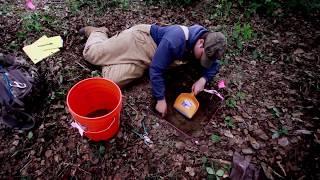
{"type": "Point", "coordinates": [83, 170]}
{"type": "Point", "coordinates": [277, 173]}
{"type": "Point", "coordinates": [281, 167]}
{"type": "Point", "coordinates": [22, 150]}
{"type": "Point", "coordinates": [137, 113]}
{"type": "Point", "coordinates": [25, 165]}
{"type": "Point", "coordinates": [82, 66]}
{"type": "Point", "coordinates": [221, 161]}
{"type": "Point", "coordinates": [62, 169]}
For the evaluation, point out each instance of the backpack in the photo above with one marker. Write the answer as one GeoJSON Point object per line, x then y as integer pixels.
{"type": "Point", "coordinates": [18, 82]}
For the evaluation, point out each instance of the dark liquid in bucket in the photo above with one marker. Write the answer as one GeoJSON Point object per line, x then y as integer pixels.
{"type": "Point", "coordinates": [98, 113]}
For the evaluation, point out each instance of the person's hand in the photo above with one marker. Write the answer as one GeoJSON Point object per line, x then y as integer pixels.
{"type": "Point", "coordinates": [161, 107]}
{"type": "Point", "coordinates": [199, 85]}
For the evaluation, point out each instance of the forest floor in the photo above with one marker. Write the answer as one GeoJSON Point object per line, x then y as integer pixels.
{"type": "Point", "coordinates": [270, 115]}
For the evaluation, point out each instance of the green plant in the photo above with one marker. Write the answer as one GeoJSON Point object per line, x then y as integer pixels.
{"type": "Point", "coordinates": [102, 150]}
{"type": "Point", "coordinates": [256, 54]}
{"type": "Point", "coordinates": [95, 73]}
{"type": "Point", "coordinates": [13, 46]}
{"type": "Point", "coordinates": [213, 169]}
{"type": "Point", "coordinates": [268, 6]}
{"type": "Point", "coordinates": [271, 7]}
{"type": "Point", "coordinates": [240, 95]}
{"type": "Point", "coordinates": [215, 138]}
{"type": "Point", "coordinates": [229, 121]}
{"type": "Point", "coordinates": [75, 5]}
{"type": "Point", "coordinates": [99, 6]}
{"type": "Point", "coordinates": [58, 94]}
{"type": "Point", "coordinates": [222, 9]}
{"type": "Point", "coordinates": [217, 174]}
{"type": "Point", "coordinates": [275, 112]}
{"type": "Point", "coordinates": [21, 35]}
{"type": "Point", "coordinates": [170, 2]}
{"type": "Point", "coordinates": [32, 22]}
{"type": "Point", "coordinates": [280, 132]}
{"type": "Point", "coordinates": [124, 4]}
{"type": "Point", "coordinates": [241, 34]}
{"type": "Point", "coordinates": [5, 9]}
{"type": "Point", "coordinates": [231, 102]}
{"type": "Point", "coordinates": [223, 62]}
{"type": "Point", "coordinates": [306, 7]}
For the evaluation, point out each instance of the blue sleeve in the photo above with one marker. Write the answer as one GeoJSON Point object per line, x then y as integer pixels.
{"type": "Point", "coordinates": [208, 74]}
{"type": "Point", "coordinates": [162, 58]}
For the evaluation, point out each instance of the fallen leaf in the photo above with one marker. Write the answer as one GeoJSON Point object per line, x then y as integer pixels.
{"type": "Point", "coordinates": [303, 131]}
{"type": "Point", "coordinates": [267, 170]}
{"type": "Point", "coordinates": [298, 51]}
{"type": "Point", "coordinates": [210, 170]}
{"type": "Point", "coordinates": [204, 148]}
{"type": "Point", "coordinates": [228, 134]}
{"type": "Point", "coordinates": [261, 134]}
{"type": "Point", "coordinates": [253, 63]}
{"type": "Point", "coordinates": [254, 143]}
{"type": "Point", "coordinates": [283, 141]}
{"type": "Point", "coordinates": [297, 114]}
{"type": "Point", "coordinates": [48, 153]}
{"type": "Point", "coordinates": [275, 41]}
{"type": "Point", "coordinates": [15, 143]}
{"type": "Point", "coordinates": [56, 158]}
{"type": "Point", "coordinates": [247, 151]}
{"type": "Point", "coordinates": [180, 145]}
{"type": "Point", "coordinates": [30, 135]}
{"type": "Point", "coordinates": [271, 125]}
{"type": "Point", "coordinates": [238, 118]}
{"type": "Point", "coordinates": [190, 170]}
{"type": "Point", "coordinates": [220, 173]}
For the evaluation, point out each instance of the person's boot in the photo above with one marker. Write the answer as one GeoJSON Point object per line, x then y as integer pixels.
{"type": "Point", "coordinates": [89, 29]}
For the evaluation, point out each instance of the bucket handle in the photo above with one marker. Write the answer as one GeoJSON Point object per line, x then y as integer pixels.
{"type": "Point", "coordinates": [82, 128]}
{"type": "Point", "coordinates": [114, 120]}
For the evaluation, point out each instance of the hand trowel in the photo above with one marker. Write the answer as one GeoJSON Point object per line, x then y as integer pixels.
{"type": "Point", "coordinates": [187, 104]}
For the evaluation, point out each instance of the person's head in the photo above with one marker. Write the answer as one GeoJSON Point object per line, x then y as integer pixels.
{"type": "Point", "coordinates": [210, 47]}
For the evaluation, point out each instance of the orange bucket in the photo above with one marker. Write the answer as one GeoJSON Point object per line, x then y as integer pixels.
{"type": "Point", "coordinates": [95, 104]}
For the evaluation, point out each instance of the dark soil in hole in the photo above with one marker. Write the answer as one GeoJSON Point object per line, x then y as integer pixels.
{"type": "Point", "coordinates": [178, 83]}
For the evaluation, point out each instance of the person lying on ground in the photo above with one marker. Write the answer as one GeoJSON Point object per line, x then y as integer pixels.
{"type": "Point", "coordinates": [125, 56]}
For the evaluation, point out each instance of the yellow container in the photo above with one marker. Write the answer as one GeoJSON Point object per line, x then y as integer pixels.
{"type": "Point", "coordinates": [187, 104]}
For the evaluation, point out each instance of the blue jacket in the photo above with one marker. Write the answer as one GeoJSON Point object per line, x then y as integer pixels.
{"type": "Point", "coordinates": [172, 45]}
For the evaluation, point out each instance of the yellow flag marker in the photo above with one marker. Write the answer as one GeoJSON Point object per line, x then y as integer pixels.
{"type": "Point", "coordinates": [43, 47]}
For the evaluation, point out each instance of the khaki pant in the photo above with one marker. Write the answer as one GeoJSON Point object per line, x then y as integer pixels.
{"type": "Point", "coordinates": [125, 56]}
